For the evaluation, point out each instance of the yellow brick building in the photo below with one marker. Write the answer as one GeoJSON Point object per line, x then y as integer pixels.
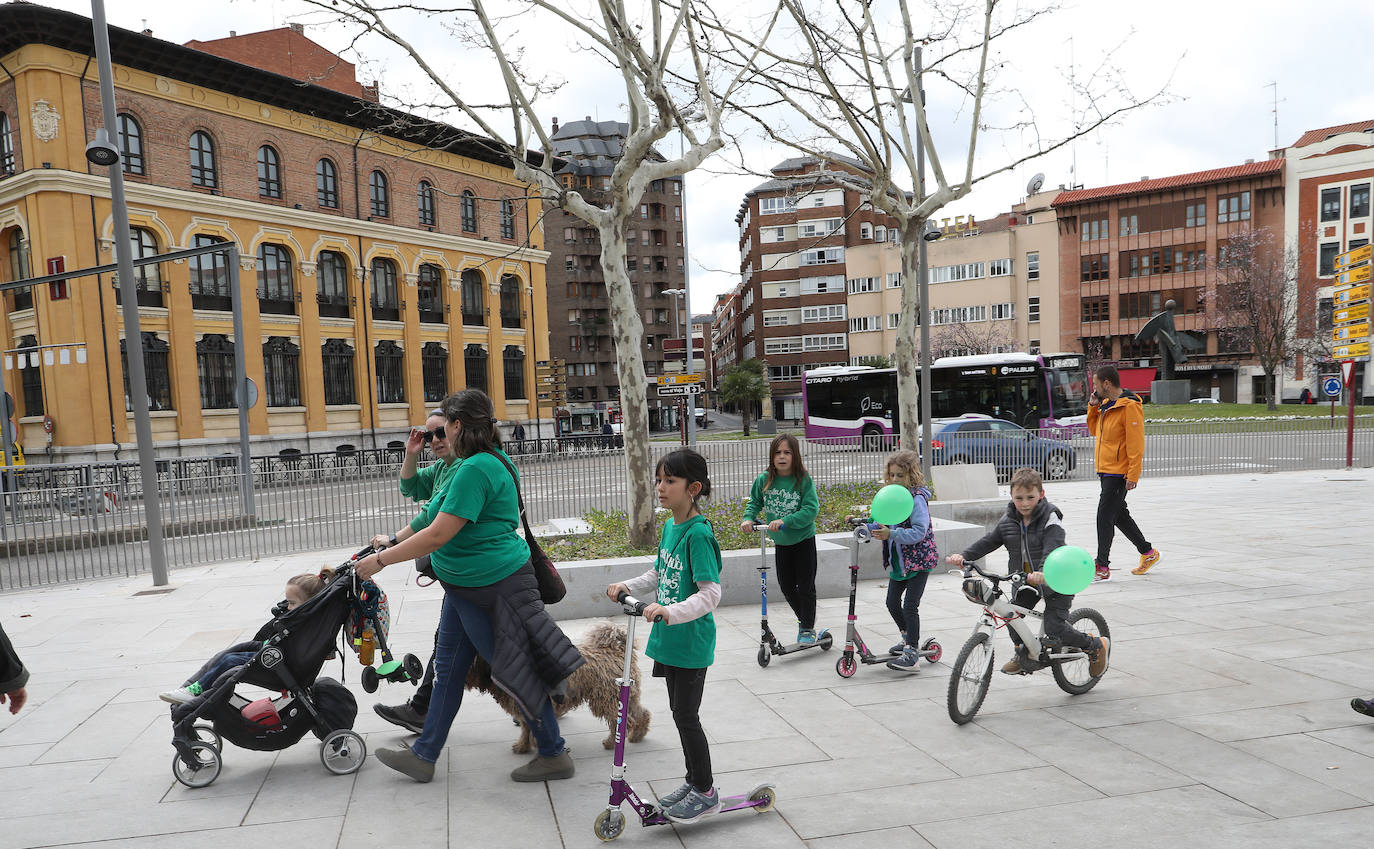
{"type": "Point", "coordinates": [385, 260]}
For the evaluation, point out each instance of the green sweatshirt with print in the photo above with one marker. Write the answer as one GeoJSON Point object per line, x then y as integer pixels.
{"type": "Point", "coordinates": [793, 501]}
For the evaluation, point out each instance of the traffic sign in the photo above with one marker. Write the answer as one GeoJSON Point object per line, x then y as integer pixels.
{"type": "Point", "coordinates": [1350, 295]}
{"type": "Point", "coordinates": [1331, 385]}
{"type": "Point", "coordinates": [1350, 332]}
{"type": "Point", "coordinates": [1354, 257]}
{"type": "Point", "coordinates": [1358, 274]}
{"type": "Point", "coordinates": [1355, 313]}
{"type": "Point", "coordinates": [681, 389]}
{"type": "Point", "coordinates": [1348, 372]}
{"type": "Point", "coordinates": [1354, 349]}
{"type": "Point", "coordinates": [677, 379]}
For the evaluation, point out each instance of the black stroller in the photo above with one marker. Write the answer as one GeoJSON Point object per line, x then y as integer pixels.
{"type": "Point", "coordinates": [292, 649]}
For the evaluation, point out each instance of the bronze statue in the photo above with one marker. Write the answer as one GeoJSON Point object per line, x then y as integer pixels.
{"type": "Point", "coordinates": [1172, 342]}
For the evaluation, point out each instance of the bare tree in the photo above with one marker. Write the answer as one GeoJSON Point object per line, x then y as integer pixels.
{"type": "Point", "coordinates": [1256, 303]}
{"type": "Point", "coordinates": [846, 82]}
{"type": "Point", "coordinates": [972, 337]}
{"type": "Point", "coordinates": [672, 85]}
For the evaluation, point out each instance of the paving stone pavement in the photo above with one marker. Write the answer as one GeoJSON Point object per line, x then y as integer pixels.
{"type": "Point", "coordinates": [1224, 720]}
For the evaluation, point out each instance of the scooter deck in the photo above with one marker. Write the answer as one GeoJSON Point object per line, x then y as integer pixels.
{"type": "Point", "coordinates": [727, 804]}
{"type": "Point", "coordinates": [823, 641]}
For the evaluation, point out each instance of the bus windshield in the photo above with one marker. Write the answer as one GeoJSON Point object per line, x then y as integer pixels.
{"type": "Point", "coordinates": [1068, 386]}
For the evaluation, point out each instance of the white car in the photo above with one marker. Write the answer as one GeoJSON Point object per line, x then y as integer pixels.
{"type": "Point", "coordinates": [1204, 401]}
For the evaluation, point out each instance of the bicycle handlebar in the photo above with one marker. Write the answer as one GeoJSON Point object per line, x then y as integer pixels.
{"type": "Point", "coordinates": [972, 565]}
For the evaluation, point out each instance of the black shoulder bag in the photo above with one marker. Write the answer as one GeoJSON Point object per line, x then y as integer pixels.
{"type": "Point", "coordinates": [551, 586]}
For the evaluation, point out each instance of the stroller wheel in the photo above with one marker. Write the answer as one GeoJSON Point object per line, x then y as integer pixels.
{"type": "Point", "coordinates": [343, 752]}
{"type": "Point", "coordinates": [413, 667]}
{"type": "Point", "coordinates": [370, 679]}
{"type": "Point", "coordinates": [205, 770]}
{"type": "Point", "coordinates": [207, 734]}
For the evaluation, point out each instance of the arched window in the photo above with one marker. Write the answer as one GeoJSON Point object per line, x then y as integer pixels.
{"type": "Point", "coordinates": [209, 276]}
{"type": "Point", "coordinates": [429, 293]}
{"type": "Point", "coordinates": [203, 171]}
{"type": "Point", "coordinates": [148, 278]}
{"type": "Point", "coordinates": [513, 366]}
{"type": "Point", "coordinates": [391, 384]}
{"type": "Point", "coordinates": [337, 357]}
{"type": "Point", "coordinates": [18, 249]}
{"type": "Point", "coordinates": [510, 301]}
{"type": "Point", "coordinates": [155, 372]}
{"type": "Point", "coordinates": [381, 197]}
{"type": "Point", "coordinates": [426, 202]}
{"type": "Point", "coordinates": [475, 367]}
{"type": "Point", "coordinates": [434, 365]}
{"type": "Point", "coordinates": [507, 219]}
{"type": "Point", "coordinates": [269, 172]}
{"type": "Point", "coordinates": [131, 144]}
{"type": "Point", "coordinates": [469, 211]}
{"type": "Point", "coordinates": [331, 276]}
{"type": "Point", "coordinates": [215, 368]}
{"type": "Point", "coordinates": [474, 310]}
{"type": "Point", "coordinates": [276, 294]}
{"type": "Point", "coordinates": [281, 363]}
{"type": "Point", "coordinates": [386, 304]}
{"type": "Point", "coordinates": [327, 184]}
{"type": "Point", "coordinates": [29, 361]}
{"type": "Point", "coordinates": [6, 147]}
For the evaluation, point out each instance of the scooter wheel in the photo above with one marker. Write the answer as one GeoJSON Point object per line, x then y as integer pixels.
{"type": "Point", "coordinates": [931, 645]}
{"type": "Point", "coordinates": [846, 666]}
{"type": "Point", "coordinates": [609, 825]}
{"type": "Point", "coordinates": [413, 667]}
{"type": "Point", "coordinates": [764, 655]}
{"type": "Point", "coordinates": [826, 640]}
{"type": "Point", "coordinates": [370, 679]}
{"type": "Point", "coordinates": [764, 797]}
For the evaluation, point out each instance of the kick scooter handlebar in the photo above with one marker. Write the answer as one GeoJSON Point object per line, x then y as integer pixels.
{"type": "Point", "coordinates": [763, 526]}
{"type": "Point", "coordinates": [634, 607]}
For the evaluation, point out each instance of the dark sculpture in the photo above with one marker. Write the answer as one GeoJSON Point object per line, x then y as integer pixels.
{"type": "Point", "coordinates": [1173, 343]}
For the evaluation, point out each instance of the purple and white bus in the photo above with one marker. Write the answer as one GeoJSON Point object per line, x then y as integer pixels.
{"type": "Point", "coordinates": [1047, 392]}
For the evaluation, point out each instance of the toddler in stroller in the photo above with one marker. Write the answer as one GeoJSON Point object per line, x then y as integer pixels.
{"type": "Point", "coordinates": [286, 654]}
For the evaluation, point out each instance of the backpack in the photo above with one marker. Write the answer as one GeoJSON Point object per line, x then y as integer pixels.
{"type": "Point", "coordinates": [335, 703]}
{"type": "Point", "coordinates": [923, 556]}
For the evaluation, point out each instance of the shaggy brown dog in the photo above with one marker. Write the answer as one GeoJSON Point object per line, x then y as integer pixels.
{"type": "Point", "coordinates": [593, 684]}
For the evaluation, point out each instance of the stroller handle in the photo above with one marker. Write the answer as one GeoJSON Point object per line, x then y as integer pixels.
{"type": "Point", "coordinates": [634, 607]}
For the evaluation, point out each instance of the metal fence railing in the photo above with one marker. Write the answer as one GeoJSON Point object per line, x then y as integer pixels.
{"type": "Point", "coordinates": [64, 523]}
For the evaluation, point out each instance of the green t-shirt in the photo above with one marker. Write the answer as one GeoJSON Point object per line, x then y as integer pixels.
{"type": "Point", "coordinates": [436, 497]}
{"type": "Point", "coordinates": [429, 481]}
{"type": "Point", "coordinates": [796, 504]}
{"type": "Point", "coordinates": [687, 553]}
{"type": "Point", "coordinates": [489, 547]}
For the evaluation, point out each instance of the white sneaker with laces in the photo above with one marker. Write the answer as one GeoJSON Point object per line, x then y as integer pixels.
{"type": "Point", "coordinates": [179, 696]}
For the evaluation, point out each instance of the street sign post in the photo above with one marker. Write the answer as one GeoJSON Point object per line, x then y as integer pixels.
{"type": "Point", "coordinates": [1348, 378]}
{"type": "Point", "coordinates": [681, 389]}
{"type": "Point", "coordinates": [1354, 312]}
{"type": "Point", "coordinates": [1351, 350]}
{"type": "Point", "coordinates": [1347, 295]}
{"type": "Point", "coordinates": [1354, 257]}
{"type": "Point", "coordinates": [1358, 274]}
{"type": "Point", "coordinates": [1331, 385]}
{"type": "Point", "coordinates": [1355, 332]}
{"type": "Point", "coordinates": [677, 379]}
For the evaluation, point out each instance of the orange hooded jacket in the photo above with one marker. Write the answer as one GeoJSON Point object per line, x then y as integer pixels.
{"type": "Point", "coordinates": [1120, 432]}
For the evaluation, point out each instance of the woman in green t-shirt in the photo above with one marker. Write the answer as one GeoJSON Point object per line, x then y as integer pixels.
{"type": "Point", "coordinates": [491, 599]}
{"type": "Point", "coordinates": [686, 583]}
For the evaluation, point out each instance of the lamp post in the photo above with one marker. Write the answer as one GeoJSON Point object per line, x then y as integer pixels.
{"type": "Point", "coordinates": [102, 152]}
{"type": "Point", "coordinates": [928, 234]}
{"type": "Point", "coordinates": [675, 294]}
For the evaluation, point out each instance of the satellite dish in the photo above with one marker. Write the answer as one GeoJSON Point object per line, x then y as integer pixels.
{"type": "Point", "coordinates": [1035, 183]}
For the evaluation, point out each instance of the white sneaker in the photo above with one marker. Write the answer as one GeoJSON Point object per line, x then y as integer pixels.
{"type": "Point", "coordinates": [179, 696]}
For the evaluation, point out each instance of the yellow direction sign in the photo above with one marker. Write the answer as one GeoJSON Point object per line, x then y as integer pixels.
{"type": "Point", "coordinates": [1351, 332]}
{"type": "Point", "coordinates": [1358, 274]}
{"type": "Point", "coordinates": [1345, 352]}
{"type": "Point", "coordinates": [1350, 295]}
{"type": "Point", "coordinates": [678, 379]}
{"type": "Point", "coordinates": [1354, 257]}
{"type": "Point", "coordinates": [1356, 313]}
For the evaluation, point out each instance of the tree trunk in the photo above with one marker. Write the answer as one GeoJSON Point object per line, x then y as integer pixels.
{"type": "Point", "coordinates": [907, 359]}
{"type": "Point", "coordinates": [629, 356]}
{"type": "Point", "coordinates": [744, 416]}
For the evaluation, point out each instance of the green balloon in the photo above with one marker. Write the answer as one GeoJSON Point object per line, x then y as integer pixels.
{"type": "Point", "coordinates": [1069, 569]}
{"type": "Point", "coordinates": [892, 505]}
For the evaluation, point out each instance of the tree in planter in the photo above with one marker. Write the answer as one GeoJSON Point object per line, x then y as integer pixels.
{"type": "Point", "coordinates": [743, 385]}
{"type": "Point", "coordinates": [672, 84]}
{"type": "Point", "coordinates": [1256, 303]}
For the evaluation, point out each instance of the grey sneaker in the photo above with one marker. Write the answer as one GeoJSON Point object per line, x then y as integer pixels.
{"type": "Point", "coordinates": [666, 802]}
{"type": "Point", "coordinates": [694, 806]}
{"type": "Point", "coordinates": [908, 662]}
{"type": "Point", "coordinates": [899, 647]}
{"type": "Point", "coordinates": [545, 769]}
{"type": "Point", "coordinates": [406, 762]}
{"type": "Point", "coordinates": [402, 715]}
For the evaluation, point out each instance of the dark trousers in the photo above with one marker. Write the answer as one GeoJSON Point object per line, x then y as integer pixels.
{"type": "Point", "coordinates": [797, 577]}
{"type": "Point", "coordinates": [420, 701]}
{"type": "Point", "coordinates": [685, 687]}
{"type": "Point", "coordinates": [1057, 621]}
{"type": "Point", "coordinates": [1112, 513]}
{"type": "Point", "coordinates": [904, 604]}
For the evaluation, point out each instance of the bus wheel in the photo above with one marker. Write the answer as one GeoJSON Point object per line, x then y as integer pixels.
{"type": "Point", "coordinates": [872, 438]}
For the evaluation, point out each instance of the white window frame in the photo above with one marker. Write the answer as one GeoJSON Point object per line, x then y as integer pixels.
{"type": "Point", "coordinates": [1032, 265]}
{"type": "Point", "coordinates": [822, 256]}
{"type": "Point", "coordinates": [894, 280]}
{"type": "Point", "coordinates": [782, 345]}
{"type": "Point", "coordinates": [825, 312]}
{"type": "Point", "coordinates": [1002, 311]}
{"type": "Point", "coordinates": [830, 284]}
{"type": "Point", "coordinates": [1033, 309]}
{"type": "Point", "coordinates": [865, 324]}
{"type": "Point", "coordinates": [999, 267]}
{"type": "Point", "coordinates": [824, 342]}
{"type": "Point", "coordinates": [862, 285]}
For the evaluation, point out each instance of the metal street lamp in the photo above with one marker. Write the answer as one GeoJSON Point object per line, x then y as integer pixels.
{"type": "Point", "coordinates": [675, 294]}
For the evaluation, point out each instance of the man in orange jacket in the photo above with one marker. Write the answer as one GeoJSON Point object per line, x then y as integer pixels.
{"type": "Point", "coordinates": [1116, 419]}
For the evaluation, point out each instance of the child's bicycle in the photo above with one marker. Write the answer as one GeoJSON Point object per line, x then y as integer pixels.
{"type": "Point", "coordinates": [856, 651]}
{"type": "Point", "coordinates": [769, 644]}
{"type": "Point", "coordinates": [972, 672]}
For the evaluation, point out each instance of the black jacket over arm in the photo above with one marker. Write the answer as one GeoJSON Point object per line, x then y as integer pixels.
{"type": "Point", "coordinates": [13, 675]}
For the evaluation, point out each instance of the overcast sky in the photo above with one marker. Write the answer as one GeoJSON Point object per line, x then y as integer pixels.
{"type": "Point", "coordinates": [1221, 55]}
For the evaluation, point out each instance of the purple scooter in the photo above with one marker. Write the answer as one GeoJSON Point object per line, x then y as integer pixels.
{"type": "Point", "coordinates": [610, 823]}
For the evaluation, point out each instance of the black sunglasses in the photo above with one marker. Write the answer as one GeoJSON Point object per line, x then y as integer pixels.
{"type": "Point", "coordinates": [437, 433]}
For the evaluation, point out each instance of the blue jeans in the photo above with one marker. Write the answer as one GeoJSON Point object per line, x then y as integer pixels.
{"type": "Point", "coordinates": [465, 632]}
{"type": "Point", "coordinates": [236, 655]}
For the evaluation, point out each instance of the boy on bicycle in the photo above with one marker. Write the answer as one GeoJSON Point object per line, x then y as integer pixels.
{"type": "Point", "coordinates": [1030, 530]}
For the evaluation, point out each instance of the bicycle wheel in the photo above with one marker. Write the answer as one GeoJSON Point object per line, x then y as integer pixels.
{"type": "Point", "coordinates": [1072, 676]}
{"type": "Point", "coordinates": [969, 680]}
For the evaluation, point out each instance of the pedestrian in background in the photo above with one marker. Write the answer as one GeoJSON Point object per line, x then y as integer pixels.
{"type": "Point", "coordinates": [785, 498]}
{"type": "Point", "coordinates": [13, 675]}
{"type": "Point", "coordinates": [1116, 419]}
